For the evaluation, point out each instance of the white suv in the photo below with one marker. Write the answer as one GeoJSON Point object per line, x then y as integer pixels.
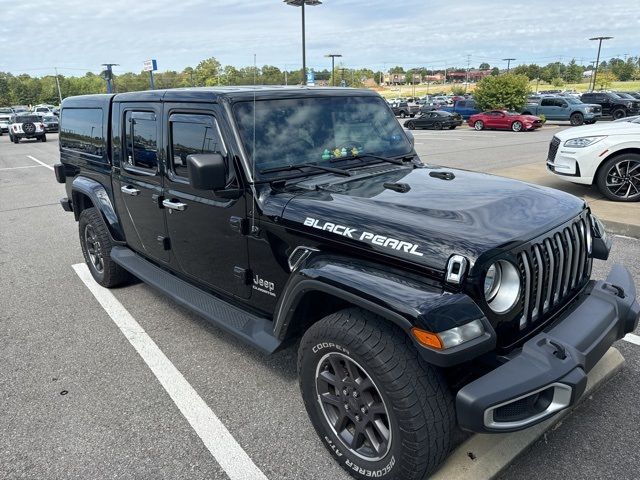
{"type": "Point", "coordinates": [606, 154]}
{"type": "Point", "coordinates": [26, 125]}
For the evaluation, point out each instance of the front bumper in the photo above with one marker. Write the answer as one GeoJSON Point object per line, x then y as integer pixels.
{"type": "Point", "coordinates": [549, 373]}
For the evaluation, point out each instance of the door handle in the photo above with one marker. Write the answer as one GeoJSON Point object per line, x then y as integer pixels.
{"type": "Point", "coordinates": [129, 190]}
{"type": "Point", "coordinates": [174, 205]}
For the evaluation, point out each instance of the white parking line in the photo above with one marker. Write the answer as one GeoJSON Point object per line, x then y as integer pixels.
{"type": "Point", "coordinates": [632, 338]}
{"type": "Point", "coordinates": [16, 168]}
{"type": "Point", "coordinates": [41, 163]}
{"type": "Point", "coordinates": [215, 436]}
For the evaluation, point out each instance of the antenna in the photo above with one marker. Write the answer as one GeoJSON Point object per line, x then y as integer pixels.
{"type": "Point", "coordinates": [253, 149]}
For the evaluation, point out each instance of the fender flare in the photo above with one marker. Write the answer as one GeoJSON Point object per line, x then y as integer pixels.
{"type": "Point", "coordinates": [101, 199]}
{"type": "Point", "coordinates": [401, 299]}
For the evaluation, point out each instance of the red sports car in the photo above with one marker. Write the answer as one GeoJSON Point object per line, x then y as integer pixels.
{"type": "Point", "coordinates": [504, 120]}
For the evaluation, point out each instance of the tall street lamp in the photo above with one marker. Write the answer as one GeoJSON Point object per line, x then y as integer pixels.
{"type": "Point", "coordinates": [333, 66]}
{"type": "Point", "coordinates": [508, 60]}
{"type": "Point", "coordinates": [302, 3]}
{"type": "Point", "coordinates": [595, 72]}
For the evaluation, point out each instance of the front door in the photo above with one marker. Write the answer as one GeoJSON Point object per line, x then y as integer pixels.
{"type": "Point", "coordinates": [138, 180]}
{"type": "Point", "coordinates": [205, 230]}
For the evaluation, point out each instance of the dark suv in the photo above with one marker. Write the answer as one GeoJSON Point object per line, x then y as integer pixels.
{"type": "Point", "coordinates": [612, 104]}
{"type": "Point", "coordinates": [423, 297]}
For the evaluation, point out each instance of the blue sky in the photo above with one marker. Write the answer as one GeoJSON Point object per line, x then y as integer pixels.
{"type": "Point", "coordinates": [79, 35]}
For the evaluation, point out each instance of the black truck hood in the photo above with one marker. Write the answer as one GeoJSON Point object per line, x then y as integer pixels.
{"type": "Point", "coordinates": [469, 214]}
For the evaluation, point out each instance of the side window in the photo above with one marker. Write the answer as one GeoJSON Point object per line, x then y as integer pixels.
{"type": "Point", "coordinates": [141, 141]}
{"type": "Point", "coordinates": [81, 130]}
{"type": "Point", "coordinates": [189, 134]}
{"type": "Point", "coordinates": [547, 102]}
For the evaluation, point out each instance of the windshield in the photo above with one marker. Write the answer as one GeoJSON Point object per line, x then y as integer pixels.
{"type": "Point", "coordinates": [28, 118]}
{"type": "Point", "coordinates": [6, 110]}
{"type": "Point", "coordinates": [625, 95]}
{"type": "Point", "coordinates": [318, 129]}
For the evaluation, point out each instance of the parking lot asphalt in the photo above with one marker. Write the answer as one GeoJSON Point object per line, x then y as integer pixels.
{"type": "Point", "coordinates": [520, 156]}
{"type": "Point", "coordinates": [79, 402]}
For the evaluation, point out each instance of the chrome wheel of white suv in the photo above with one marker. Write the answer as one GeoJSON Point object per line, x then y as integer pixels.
{"type": "Point", "coordinates": [619, 178]}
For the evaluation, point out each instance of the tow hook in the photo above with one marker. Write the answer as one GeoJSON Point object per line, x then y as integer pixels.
{"type": "Point", "coordinates": [560, 352]}
{"type": "Point", "coordinates": [615, 289]}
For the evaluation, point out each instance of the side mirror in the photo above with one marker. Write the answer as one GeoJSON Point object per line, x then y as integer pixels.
{"type": "Point", "coordinates": [207, 171]}
{"type": "Point", "coordinates": [411, 138]}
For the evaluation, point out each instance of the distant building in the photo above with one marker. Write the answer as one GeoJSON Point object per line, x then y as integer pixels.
{"type": "Point", "coordinates": [474, 75]}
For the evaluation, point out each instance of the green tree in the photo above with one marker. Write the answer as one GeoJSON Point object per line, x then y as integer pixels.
{"type": "Point", "coordinates": [621, 69]}
{"type": "Point", "coordinates": [573, 73]}
{"type": "Point", "coordinates": [396, 69]}
{"type": "Point", "coordinates": [503, 91]}
{"type": "Point", "coordinates": [495, 71]}
{"type": "Point", "coordinates": [457, 90]}
{"type": "Point", "coordinates": [604, 79]}
{"type": "Point", "coordinates": [557, 82]}
{"type": "Point", "coordinates": [484, 66]}
{"type": "Point", "coordinates": [207, 72]}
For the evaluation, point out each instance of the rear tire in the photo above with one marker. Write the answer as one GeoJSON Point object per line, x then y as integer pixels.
{"type": "Point", "coordinates": [411, 126]}
{"type": "Point", "coordinates": [403, 115]}
{"type": "Point", "coordinates": [363, 374]}
{"type": "Point", "coordinates": [576, 119]}
{"type": "Point", "coordinates": [96, 244]}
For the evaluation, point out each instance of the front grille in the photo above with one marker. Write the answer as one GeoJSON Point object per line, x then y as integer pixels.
{"type": "Point", "coordinates": [552, 271]}
{"type": "Point", "coordinates": [553, 149]}
{"type": "Point", "coordinates": [597, 109]}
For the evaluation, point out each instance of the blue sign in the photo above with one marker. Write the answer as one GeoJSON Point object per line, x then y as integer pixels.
{"type": "Point", "coordinates": [311, 78]}
{"type": "Point", "coordinates": [149, 66]}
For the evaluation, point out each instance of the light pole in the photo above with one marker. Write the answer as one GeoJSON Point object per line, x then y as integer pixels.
{"type": "Point", "coordinates": [333, 65]}
{"type": "Point", "coordinates": [108, 75]}
{"type": "Point", "coordinates": [508, 60]}
{"type": "Point", "coordinates": [302, 3]}
{"type": "Point", "coordinates": [595, 72]}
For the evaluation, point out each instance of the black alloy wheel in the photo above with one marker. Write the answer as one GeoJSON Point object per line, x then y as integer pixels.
{"type": "Point", "coordinates": [618, 114]}
{"type": "Point", "coordinates": [94, 250]}
{"type": "Point", "coordinates": [411, 126]}
{"type": "Point", "coordinates": [437, 126]}
{"type": "Point", "coordinates": [576, 119]}
{"type": "Point", "coordinates": [619, 178]}
{"type": "Point", "coordinates": [353, 406]}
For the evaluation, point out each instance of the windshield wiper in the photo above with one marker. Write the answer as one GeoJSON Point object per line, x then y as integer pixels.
{"type": "Point", "coordinates": [360, 156]}
{"type": "Point", "coordinates": [287, 168]}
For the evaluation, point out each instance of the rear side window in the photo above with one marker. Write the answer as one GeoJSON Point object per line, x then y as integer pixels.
{"type": "Point", "coordinates": [81, 130]}
{"type": "Point", "coordinates": [141, 141]}
{"type": "Point", "coordinates": [191, 134]}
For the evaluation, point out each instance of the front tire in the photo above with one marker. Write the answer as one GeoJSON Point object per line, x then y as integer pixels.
{"type": "Point", "coordinates": [619, 178]}
{"type": "Point", "coordinates": [437, 126]}
{"type": "Point", "coordinates": [96, 247]}
{"type": "Point", "coordinates": [576, 119]}
{"type": "Point", "coordinates": [411, 126]}
{"type": "Point", "coordinates": [478, 125]}
{"type": "Point", "coordinates": [516, 126]}
{"type": "Point", "coordinates": [403, 115]}
{"type": "Point", "coordinates": [618, 114]}
{"type": "Point", "coordinates": [378, 407]}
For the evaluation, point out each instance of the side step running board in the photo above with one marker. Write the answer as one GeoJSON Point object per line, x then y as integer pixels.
{"type": "Point", "coordinates": [252, 329]}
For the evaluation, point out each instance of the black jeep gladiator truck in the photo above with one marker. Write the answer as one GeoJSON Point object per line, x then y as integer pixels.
{"type": "Point", "coordinates": [423, 297]}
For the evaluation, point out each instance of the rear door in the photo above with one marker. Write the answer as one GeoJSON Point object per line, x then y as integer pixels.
{"type": "Point", "coordinates": [549, 108]}
{"type": "Point", "coordinates": [205, 230]}
{"type": "Point", "coordinates": [138, 179]}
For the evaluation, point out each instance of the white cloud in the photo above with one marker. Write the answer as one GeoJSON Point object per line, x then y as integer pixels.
{"type": "Point", "coordinates": [378, 33]}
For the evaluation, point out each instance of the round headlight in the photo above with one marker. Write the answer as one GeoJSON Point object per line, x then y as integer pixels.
{"type": "Point", "coordinates": [492, 281]}
{"type": "Point", "coordinates": [501, 286]}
